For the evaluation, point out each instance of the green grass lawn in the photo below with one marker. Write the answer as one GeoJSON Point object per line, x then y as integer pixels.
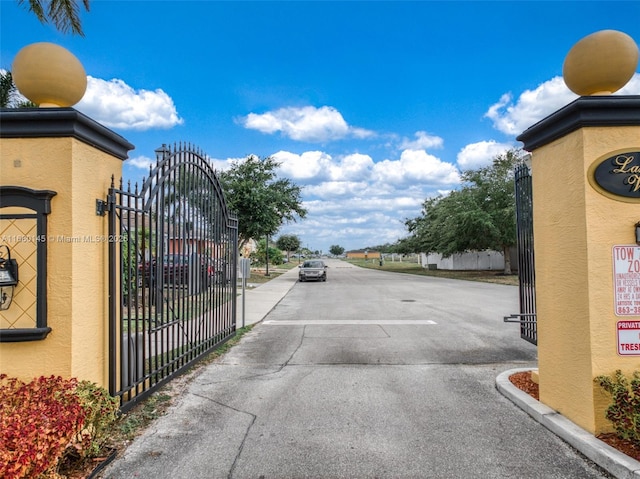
{"type": "Point", "coordinates": [411, 267]}
{"type": "Point", "coordinates": [259, 274]}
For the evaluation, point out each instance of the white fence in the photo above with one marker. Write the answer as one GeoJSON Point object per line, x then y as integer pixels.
{"type": "Point", "coordinates": [473, 260]}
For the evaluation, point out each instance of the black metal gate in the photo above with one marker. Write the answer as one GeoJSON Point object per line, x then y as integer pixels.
{"type": "Point", "coordinates": [172, 274]}
{"type": "Point", "coordinates": [526, 263]}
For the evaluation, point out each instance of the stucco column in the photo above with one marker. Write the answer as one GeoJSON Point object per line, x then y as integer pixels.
{"type": "Point", "coordinates": [64, 151]}
{"type": "Point", "coordinates": [577, 223]}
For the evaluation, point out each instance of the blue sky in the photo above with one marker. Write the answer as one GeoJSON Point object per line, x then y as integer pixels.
{"type": "Point", "coordinates": [371, 107]}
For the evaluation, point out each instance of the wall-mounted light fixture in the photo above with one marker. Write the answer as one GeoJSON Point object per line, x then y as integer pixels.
{"type": "Point", "coordinates": [8, 278]}
{"type": "Point", "coordinates": [162, 153]}
{"type": "Point", "coordinates": [638, 233]}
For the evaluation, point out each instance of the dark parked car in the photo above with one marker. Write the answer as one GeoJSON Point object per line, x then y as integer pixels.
{"type": "Point", "coordinates": [176, 269]}
{"type": "Point", "coordinates": [313, 270]}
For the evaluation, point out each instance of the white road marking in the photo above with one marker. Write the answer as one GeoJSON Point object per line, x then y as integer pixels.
{"type": "Point", "coordinates": [306, 322]}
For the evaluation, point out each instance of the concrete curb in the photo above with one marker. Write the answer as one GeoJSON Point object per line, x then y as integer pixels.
{"type": "Point", "coordinates": [607, 457]}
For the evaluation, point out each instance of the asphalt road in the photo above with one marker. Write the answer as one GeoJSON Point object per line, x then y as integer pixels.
{"type": "Point", "coordinates": [368, 375]}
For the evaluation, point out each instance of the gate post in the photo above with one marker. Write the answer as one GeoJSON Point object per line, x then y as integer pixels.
{"type": "Point", "coordinates": [63, 151]}
{"type": "Point", "coordinates": [586, 174]}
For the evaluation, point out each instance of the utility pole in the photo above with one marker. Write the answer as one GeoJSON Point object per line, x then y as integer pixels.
{"type": "Point", "coordinates": [267, 256]}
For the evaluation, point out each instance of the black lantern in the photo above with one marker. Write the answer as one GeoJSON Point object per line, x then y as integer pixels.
{"type": "Point", "coordinates": [8, 278]}
{"type": "Point", "coordinates": [162, 153]}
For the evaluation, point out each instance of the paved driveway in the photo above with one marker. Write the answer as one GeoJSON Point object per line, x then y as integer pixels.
{"type": "Point", "coordinates": [369, 375]}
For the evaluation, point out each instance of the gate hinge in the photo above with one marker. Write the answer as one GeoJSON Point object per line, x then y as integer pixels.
{"type": "Point", "coordinates": [101, 207]}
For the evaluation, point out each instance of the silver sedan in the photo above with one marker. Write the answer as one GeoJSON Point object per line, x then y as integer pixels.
{"type": "Point", "coordinates": [313, 270]}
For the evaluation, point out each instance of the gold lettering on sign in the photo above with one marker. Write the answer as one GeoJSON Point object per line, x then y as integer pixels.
{"type": "Point", "coordinates": [623, 162]}
{"type": "Point", "coordinates": [619, 174]}
{"type": "Point", "coordinates": [634, 182]}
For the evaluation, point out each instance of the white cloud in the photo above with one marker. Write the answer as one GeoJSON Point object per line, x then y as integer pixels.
{"type": "Point", "coordinates": [423, 141]}
{"type": "Point", "coordinates": [478, 155]}
{"type": "Point", "coordinates": [354, 227]}
{"type": "Point", "coordinates": [223, 165]}
{"type": "Point", "coordinates": [318, 166]}
{"type": "Point", "coordinates": [631, 88]}
{"type": "Point", "coordinates": [352, 199]}
{"type": "Point", "coordinates": [311, 164]}
{"type": "Point", "coordinates": [416, 166]}
{"type": "Point", "coordinates": [305, 124]}
{"type": "Point", "coordinates": [353, 167]}
{"type": "Point", "coordinates": [141, 162]}
{"type": "Point", "coordinates": [532, 106]}
{"type": "Point", "coordinates": [116, 105]}
{"type": "Point", "coordinates": [329, 190]}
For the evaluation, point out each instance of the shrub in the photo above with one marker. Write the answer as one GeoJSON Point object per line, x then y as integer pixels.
{"type": "Point", "coordinates": [624, 412]}
{"type": "Point", "coordinates": [101, 412]}
{"type": "Point", "coordinates": [38, 420]}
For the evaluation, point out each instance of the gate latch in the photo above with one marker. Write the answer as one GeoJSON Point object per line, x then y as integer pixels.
{"type": "Point", "coordinates": [520, 318]}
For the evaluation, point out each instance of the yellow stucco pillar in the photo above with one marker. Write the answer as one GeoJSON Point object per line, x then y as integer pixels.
{"type": "Point", "coordinates": [62, 151]}
{"type": "Point", "coordinates": [578, 223]}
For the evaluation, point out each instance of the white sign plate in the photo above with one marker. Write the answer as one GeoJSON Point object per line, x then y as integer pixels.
{"type": "Point", "coordinates": [626, 280]}
{"type": "Point", "coordinates": [629, 338]}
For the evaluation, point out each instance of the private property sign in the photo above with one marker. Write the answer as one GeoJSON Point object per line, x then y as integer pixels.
{"type": "Point", "coordinates": [626, 280]}
{"type": "Point", "coordinates": [629, 338]}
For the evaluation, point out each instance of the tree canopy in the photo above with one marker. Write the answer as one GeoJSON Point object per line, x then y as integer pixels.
{"type": "Point", "coordinates": [336, 250]}
{"type": "Point", "coordinates": [9, 95]}
{"type": "Point", "coordinates": [481, 215]}
{"type": "Point", "coordinates": [259, 256]}
{"type": "Point", "coordinates": [63, 14]}
{"type": "Point", "coordinates": [262, 201]}
{"type": "Point", "coordinates": [288, 243]}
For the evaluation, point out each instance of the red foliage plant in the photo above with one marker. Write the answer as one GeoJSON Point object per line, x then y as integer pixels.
{"type": "Point", "coordinates": [38, 421]}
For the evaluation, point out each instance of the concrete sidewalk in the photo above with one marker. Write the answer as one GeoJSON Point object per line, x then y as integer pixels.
{"type": "Point", "coordinates": [259, 301]}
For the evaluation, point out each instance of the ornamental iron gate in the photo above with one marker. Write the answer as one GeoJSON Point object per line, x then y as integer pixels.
{"type": "Point", "coordinates": [526, 263]}
{"type": "Point", "coordinates": [172, 272]}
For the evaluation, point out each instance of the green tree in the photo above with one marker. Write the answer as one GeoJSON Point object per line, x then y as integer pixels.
{"type": "Point", "coordinates": [479, 216]}
{"type": "Point", "coordinates": [63, 14]}
{"type": "Point", "coordinates": [9, 96]}
{"type": "Point", "coordinates": [288, 243]}
{"type": "Point", "coordinates": [336, 250]}
{"type": "Point", "coordinates": [260, 254]}
{"type": "Point", "coordinates": [406, 245]}
{"type": "Point", "coordinates": [262, 201]}
{"type": "Point", "coordinates": [7, 89]}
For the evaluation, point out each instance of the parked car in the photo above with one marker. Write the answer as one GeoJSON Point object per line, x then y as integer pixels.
{"type": "Point", "coordinates": [313, 270]}
{"type": "Point", "coordinates": [176, 269]}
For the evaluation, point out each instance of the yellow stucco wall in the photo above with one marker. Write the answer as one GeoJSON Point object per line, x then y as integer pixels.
{"type": "Point", "coordinates": [575, 228]}
{"type": "Point", "coordinates": [77, 256]}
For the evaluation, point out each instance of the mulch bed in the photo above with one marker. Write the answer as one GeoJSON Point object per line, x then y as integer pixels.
{"type": "Point", "coordinates": [523, 382]}
{"type": "Point", "coordinates": [76, 468]}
